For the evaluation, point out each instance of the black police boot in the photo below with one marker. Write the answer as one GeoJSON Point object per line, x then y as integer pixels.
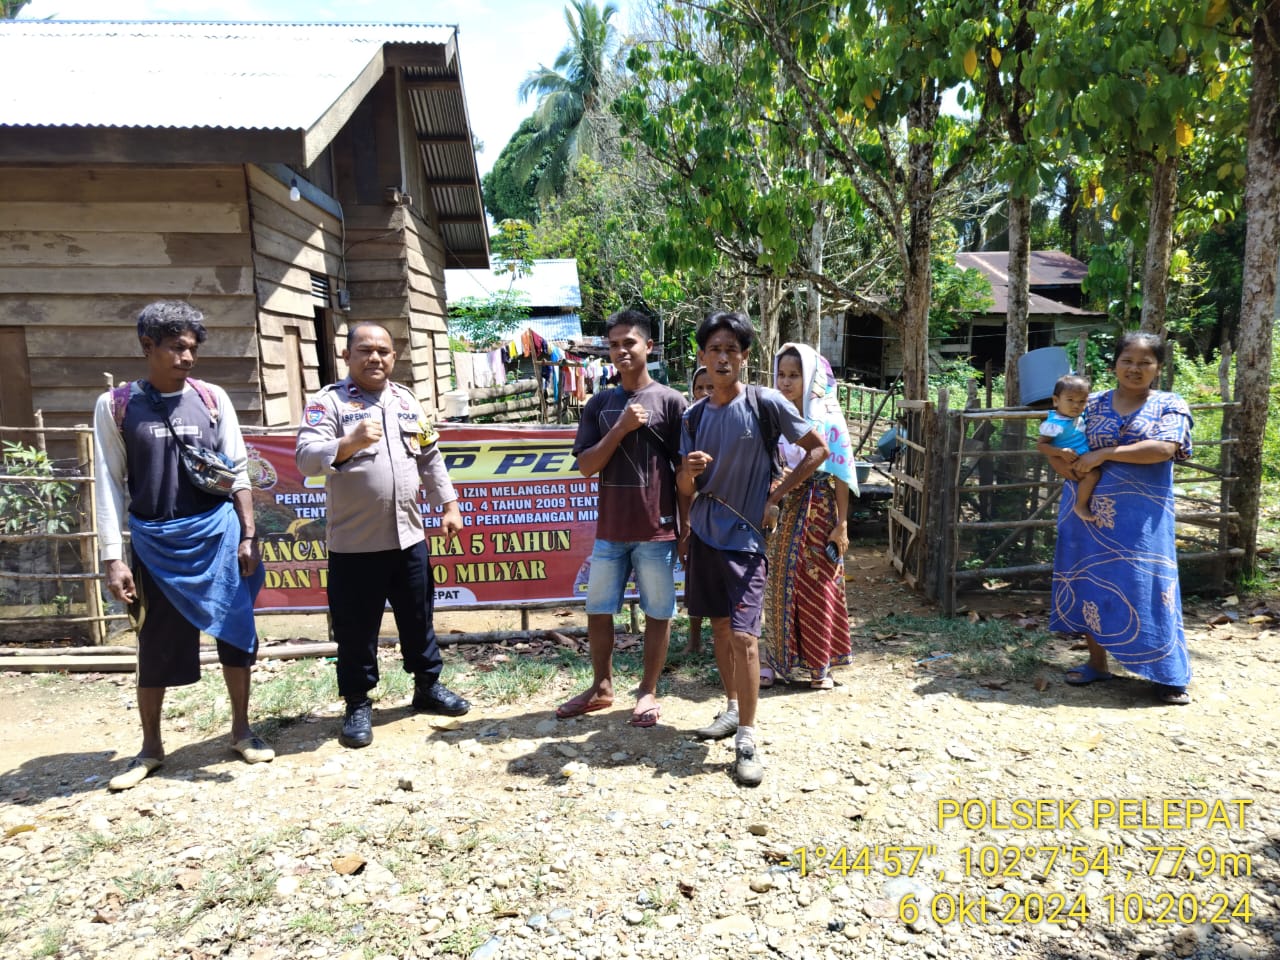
{"type": "Point", "coordinates": [435, 697]}
{"type": "Point", "coordinates": [357, 724]}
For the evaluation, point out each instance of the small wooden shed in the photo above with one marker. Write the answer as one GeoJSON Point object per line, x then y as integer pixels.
{"type": "Point", "coordinates": [1055, 316]}
{"type": "Point", "coordinates": [287, 179]}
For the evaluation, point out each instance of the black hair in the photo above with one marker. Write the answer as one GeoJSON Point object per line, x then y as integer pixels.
{"type": "Point", "coordinates": [1070, 381]}
{"type": "Point", "coordinates": [170, 318]}
{"type": "Point", "coordinates": [736, 323]}
{"type": "Point", "coordinates": [351, 331]}
{"type": "Point", "coordinates": [1140, 338]}
{"type": "Point", "coordinates": [630, 318]}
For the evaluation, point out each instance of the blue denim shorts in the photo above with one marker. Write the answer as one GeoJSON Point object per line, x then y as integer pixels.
{"type": "Point", "coordinates": [653, 562]}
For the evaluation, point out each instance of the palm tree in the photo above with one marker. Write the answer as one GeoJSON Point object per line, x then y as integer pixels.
{"type": "Point", "coordinates": [569, 96]}
{"type": "Point", "coordinates": [9, 8]}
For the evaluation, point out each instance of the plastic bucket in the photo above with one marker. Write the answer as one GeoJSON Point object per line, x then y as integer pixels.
{"type": "Point", "coordinates": [456, 404]}
{"type": "Point", "coordinates": [1038, 371]}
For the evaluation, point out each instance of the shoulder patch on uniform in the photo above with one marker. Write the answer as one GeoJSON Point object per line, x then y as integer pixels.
{"type": "Point", "coordinates": [313, 414]}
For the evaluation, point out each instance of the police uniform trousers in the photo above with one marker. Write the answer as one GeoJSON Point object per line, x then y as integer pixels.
{"type": "Point", "coordinates": [360, 585]}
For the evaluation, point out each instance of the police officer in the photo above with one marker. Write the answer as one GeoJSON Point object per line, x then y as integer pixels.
{"type": "Point", "coordinates": [368, 438]}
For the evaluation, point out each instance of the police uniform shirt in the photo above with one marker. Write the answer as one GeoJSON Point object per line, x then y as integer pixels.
{"type": "Point", "coordinates": [373, 496]}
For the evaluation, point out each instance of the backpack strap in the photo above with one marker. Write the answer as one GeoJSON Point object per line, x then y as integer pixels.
{"type": "Point", "coordinates": [692, 418]}
{"type": "Point", "coordinates": [120, 399]}
{"type": "Point", "coordinates": [205, 394]}
{"type": "Point", "coordinates": [120, 402]}
{"type": "Point", "coordinates": [769, 432]}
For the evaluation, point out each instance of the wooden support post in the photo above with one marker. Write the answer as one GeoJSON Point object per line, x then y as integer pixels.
{"type": "Point", "coordinates": [1081, 350]}
{"type": "Point", "coordinates": [635, 619]}
{"type": "Point", "coordinates": [89, 555]}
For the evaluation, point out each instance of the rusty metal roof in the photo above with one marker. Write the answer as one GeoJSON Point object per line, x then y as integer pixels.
{"type": "Point", "coordinates": [1047, 268]}
{"type": "Point", "coordinates": [293, 85]}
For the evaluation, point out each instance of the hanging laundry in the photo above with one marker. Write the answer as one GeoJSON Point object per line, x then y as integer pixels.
{"type": "Point", "coordinates": [496, 366]}
{"type": "Point", "coordinates": [462, 372]}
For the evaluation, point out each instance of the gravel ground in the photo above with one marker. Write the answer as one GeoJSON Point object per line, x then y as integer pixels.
{"type": "Point", "coordinates": [888, 824]}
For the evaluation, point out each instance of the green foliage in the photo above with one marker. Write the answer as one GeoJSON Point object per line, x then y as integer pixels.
{"type": "Point", "coordinates": [9, 9]}
{"type": "Point", "coordinates": [602, 220]}
{"type": "Point", "coordinates": [39, 505]}
{"type": "Point", "coordinates": [507, 194]}
{"type": "Point", "coordinates": [568, 95]}
{"type": "Point", "coordinates": [513, 249]}
{"type": "Point", "coordinates": [477, 323]}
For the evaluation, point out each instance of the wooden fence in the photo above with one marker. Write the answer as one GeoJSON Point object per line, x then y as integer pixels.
{"type": "Point", "coordinates": [975, 505]}
{"type": "Point", "coordinates": [35, 563]}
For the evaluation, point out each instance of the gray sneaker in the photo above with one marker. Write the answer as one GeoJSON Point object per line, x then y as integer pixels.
{"type": "Point", "coordinates": [724, 725]}
{"type": "Point", "coordinates": [748, 768]}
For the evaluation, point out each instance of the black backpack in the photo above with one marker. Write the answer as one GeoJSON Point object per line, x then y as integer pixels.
{"type": "Point", "coordinates": [768, 428]}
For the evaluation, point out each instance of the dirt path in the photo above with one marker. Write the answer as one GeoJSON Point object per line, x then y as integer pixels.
{"type": "Point", "coordinates": [509, 834]}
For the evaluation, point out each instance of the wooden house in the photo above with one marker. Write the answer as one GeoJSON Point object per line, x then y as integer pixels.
{"type": "Point", "coordinates": [872, 352]}
{"type": "Point", "coordinates": [286, 179]}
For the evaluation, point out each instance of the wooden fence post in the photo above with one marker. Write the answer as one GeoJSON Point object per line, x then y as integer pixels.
{"type": "Point", "coordinates": [89, 554]}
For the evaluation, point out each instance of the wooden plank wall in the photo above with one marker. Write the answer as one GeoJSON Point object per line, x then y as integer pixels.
{"type": "Point", "coordinates": [291, 241]}
{"type": "Point", "coordinates": [395, 265]}
{"type": "Point", "coordinates": [84, 248]}
{"type": "Point", "coordinates": [428, 334]}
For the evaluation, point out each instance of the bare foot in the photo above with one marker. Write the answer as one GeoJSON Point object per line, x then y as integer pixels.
{"type": "Point", "coordinates": [1081, 511]}
{"type": "Point", "coordinates": [647, 711]}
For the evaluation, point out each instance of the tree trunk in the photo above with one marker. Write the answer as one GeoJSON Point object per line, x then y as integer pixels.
{"type": "Point", "coordinates": [1258, 300]}
{"type": "Point", "coordinates": [811, 330]}
{"type": "Point", "coordinates": [922, 115]}
{"type": "Point", "coordinates": [1155, 272]}
{"type": "Point", "coordinates": [1019, 294]}
{"type": "Point", "coordinates": [771, 303]}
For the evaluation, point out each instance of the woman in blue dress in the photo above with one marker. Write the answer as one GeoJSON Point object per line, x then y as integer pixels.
{"type": "Point", "coordinates": [1116, 578]}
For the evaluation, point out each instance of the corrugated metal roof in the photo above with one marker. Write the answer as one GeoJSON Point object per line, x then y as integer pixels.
{"type": "Point", "coordinates": [561, 327]}
{"type": "Point", "coordinates": [553, 283]}
{"type": "Point", "coordinates": [1047, 268]}
{"type": "Point", "coordinates": [247, 76]}
{"type": "Point", "coordinates": [290, 85]}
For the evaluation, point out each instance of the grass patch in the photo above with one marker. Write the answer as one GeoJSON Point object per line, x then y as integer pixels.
{"type": "Point", "coordinates": [293, 690]}
{"type": "Point", "coordinates": [981, 648]}
{"type": "Point", "coordinates": [49, 942]}
{"type": "Point", "coordinates": [463, 940]}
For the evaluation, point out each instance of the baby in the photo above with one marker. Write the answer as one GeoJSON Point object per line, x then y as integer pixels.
{"type": "Point", "coordinates": [1062, 435]}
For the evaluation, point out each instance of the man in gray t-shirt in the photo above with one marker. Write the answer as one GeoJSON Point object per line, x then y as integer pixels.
{"type": "Point", "coordinates": [727, 466]}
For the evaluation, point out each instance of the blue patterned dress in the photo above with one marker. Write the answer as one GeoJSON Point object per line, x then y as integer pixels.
{"type": "Point", "coordinates": [1117, 579]}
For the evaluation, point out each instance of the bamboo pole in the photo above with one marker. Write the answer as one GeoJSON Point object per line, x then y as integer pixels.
{"type": "Point", "coordinates": [89, 548]}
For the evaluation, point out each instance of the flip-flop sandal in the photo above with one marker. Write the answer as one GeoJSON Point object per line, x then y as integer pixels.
{"type": "Point", "coordinates": [577, 706]}
{"type": "Point", "coordinates": [1177, 696]}
{"type": "Point", "coordinates": [1084, 675]}
{"type": "Point", "coordinates": [646, 718]}
{"type": "Point", "coordinates": [766, 678]}
{"type": "Point", "coordinates": [826, 683]}
{"type": "Point", "coordinates": [139, 769]}
{"type": "Point", "coordinates": [254, 750]}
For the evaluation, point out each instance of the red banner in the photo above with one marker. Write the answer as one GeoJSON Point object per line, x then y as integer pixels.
{"type": "Point", "coordinates": [529, 520]}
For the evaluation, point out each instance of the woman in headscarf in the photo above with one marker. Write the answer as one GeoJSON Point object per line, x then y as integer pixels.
{"type": "Point", "coordinates": [806, 614]}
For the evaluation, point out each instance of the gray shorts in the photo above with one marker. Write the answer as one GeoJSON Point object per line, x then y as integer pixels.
{"type": "Point", "coordinates": [726, 583]}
